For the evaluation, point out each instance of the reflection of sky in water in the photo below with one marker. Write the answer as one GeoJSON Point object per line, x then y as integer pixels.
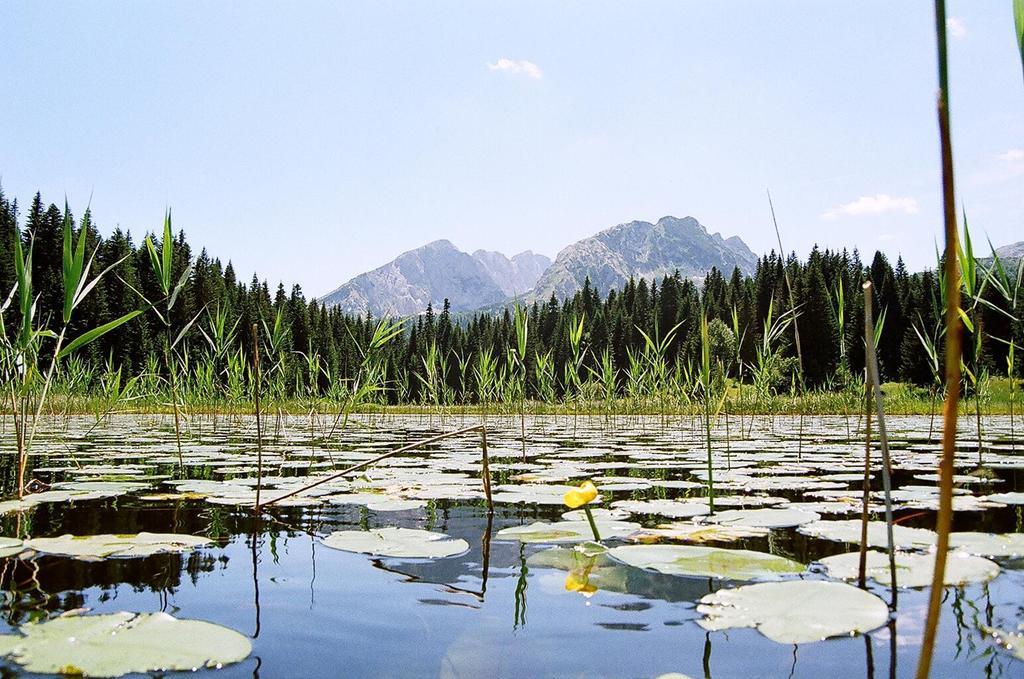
{"type": "Point", "coordinates": [324, 612]}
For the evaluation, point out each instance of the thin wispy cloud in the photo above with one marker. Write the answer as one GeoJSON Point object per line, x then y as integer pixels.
{"type": "Point", "coordinates": [878, 204]}
{"type": "Point", "coordinates": [1012, 156]}
{"type": "Point", "coordinates": [956, 27]}
{"type": "Point", "coordinates": [517, 67]}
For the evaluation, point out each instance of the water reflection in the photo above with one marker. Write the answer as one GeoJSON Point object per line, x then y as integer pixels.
{"type": "Point", "coordinates": [308, 608]}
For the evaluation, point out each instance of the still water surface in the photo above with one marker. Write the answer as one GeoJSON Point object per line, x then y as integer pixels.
{"type": "Point", "coordinates": [493, 611]}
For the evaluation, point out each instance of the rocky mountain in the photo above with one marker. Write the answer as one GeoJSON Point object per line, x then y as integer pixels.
{"type": "Point", "coordinates": [643, 250]}
{"type": "Point", "coordinates": [484, 279]}
{"type": "Point", "coordinates": [515, 276]}
{"type": "Point", "coordinates": [1012, 251]}
{"type": "Point", "coordinates": [438, 270]}
{"type": "Point", "coordinates": [1009, 256]}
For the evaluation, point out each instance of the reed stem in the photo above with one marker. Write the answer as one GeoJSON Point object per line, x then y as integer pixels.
{"type": "Point", "coordinates": [944, 520]}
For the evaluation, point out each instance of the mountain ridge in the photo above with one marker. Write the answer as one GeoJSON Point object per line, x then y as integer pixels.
{"type": "Point", "coordinates": [434, 272]}
{"type": "Point", "coordinates": [637, 249]}
{"type": "Point", "coordinates": [640, 249]}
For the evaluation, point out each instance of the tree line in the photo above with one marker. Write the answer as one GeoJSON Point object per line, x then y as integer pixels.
{"type": "Point", "coordinates": [624, 340]}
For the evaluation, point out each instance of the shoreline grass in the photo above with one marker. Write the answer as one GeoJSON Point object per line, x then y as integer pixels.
{"type": "Point", "coordinates": [901, 399]}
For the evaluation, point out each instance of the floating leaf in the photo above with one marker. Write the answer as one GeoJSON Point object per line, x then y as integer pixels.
{"type": "Point", "coordinates": [377, 502]}
{"type": "Point", "coordinates": [609, 575]}
{"type": "Point", "coordinates": [115, 644]}
{"type": "Point", "coordinates": [566, 531]}
{"type": "Point", "coordinates": [912, 570]}
{"type": "Point", "coordinates": [10, 547]}
{"type": "Point", "coordinates": [534, 493]}
{"type": "Point", "coordinates": [1012, 642]}
{"type": "Point", "coordinates": [391, 541]}
{"type": "Point", "coordinates": [1015, 498]}
{"type": "Point", "coordinates": [95, 547]}
{"type": "Point", "coordinates": [599, 514]}
{"type": "Point", "coordinates": [849, 531]}
{"type": "Point", "coordinates": [989, 544]}
{"type": "Point", "coordinates": [794, 612]}
{"type": "Point", "coordinates": [731, 564]}
{"type": "Point", "coordinates": [763, 518]}
{"type": "Point", "coordinates": [692, 532]}
{"type": "Point", "coordinates": [672, 509]}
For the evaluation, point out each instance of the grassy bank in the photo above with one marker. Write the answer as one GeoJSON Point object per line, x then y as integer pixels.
{"type": "Point", "coordinates": [900, 399]}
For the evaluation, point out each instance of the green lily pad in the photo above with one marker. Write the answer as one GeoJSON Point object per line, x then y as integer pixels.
{"type": "Point", "coordinates": [391, 541]}
{"type": "Point", "coordinates": [731, 564]}
{"type": "Point", "coordinates": [794, 612]}
{"type": "Point", "coordinates": [597, 569]}
{"type": "Point", "coordinates": [96, 547]}
{"type": "Point", "coordinates": [912, 570]}
{"type": "Point", "coordinates": [115, 644]}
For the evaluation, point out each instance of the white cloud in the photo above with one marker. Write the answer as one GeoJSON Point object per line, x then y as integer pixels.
{"type": "Point", "coordinates": [877, 204]}
{"type": "Point", "coordinates": [956, 27]}
{"type": "Point", "coordinates": [1012, 156]}
{"type": "Point", "coordinates": [517, 67]}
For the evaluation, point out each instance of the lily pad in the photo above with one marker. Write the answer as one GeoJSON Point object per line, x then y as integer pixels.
{"type": "Point", "coordinates": [989, 544]}
{"type": "Point", "coordinates": [732, 564]}
{"type": "Point", "coordinates": [10, 547]}
{"type": "Point", "coordinates": [697, 533]}
{"type": "Point", "coordinates": [115, 644]}
{"type": "Point", "coordinates": [912, 570]}
{"type": "Point", "coordinates": [599, 514]}
{"type": "Point", "coordinates": [377, 502]}
{"type": "Point", "coordinates": [763, 518]}
{"type": "Point", "coordinates": [96, 547]}
{"type": "Point", "coordinates": [794, 612]}
{"type": "Point", "coordinates": [402, 542]}
{"type": "Point", "coordinates": [566, 531]}
{"type": "Point", "coordinates": [1012, 642]}
{"type": "Point", "coordinates": [669, 508]}
{"type": "Point", "coordinates": [534, 493]}
{"type": "Point", "coordinates": [1014, 498]}
{"type": "Point", "coordinates": [849, 531]}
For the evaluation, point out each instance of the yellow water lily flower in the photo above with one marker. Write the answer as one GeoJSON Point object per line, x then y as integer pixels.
{"type": "Point", "coordinates": [577, 497]}
{"type": "Point", "coordinates": [578, 580]}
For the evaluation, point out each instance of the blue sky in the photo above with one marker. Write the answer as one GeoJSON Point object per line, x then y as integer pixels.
{"type": "Point", "coordinates": [310, 142]}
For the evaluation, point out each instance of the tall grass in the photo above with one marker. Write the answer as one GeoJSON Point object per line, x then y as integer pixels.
{"type": "Point", "coordinates": [26, 386]}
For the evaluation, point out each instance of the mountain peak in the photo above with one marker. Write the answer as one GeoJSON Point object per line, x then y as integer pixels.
{"type": "Point", "coordinates": [434, 272]}
{"type": "Point", "coordinates": [643, 250]}
{"type": "Point", "coordinates": [439, 270]}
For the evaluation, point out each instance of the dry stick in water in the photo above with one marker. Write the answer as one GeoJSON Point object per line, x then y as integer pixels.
{"type": "Point", "coordinates": [396, 451]}
{"type": "Point", "coordinates": [944, 520]}
{"type": "Point", "coordinates": [863, 560]}
{"type": "Point", "coordinates": [486, 470]}
{"type": "Point", "coordinates": [871, 361]}
{"type": "Point", "coordinates": [259, 427]}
